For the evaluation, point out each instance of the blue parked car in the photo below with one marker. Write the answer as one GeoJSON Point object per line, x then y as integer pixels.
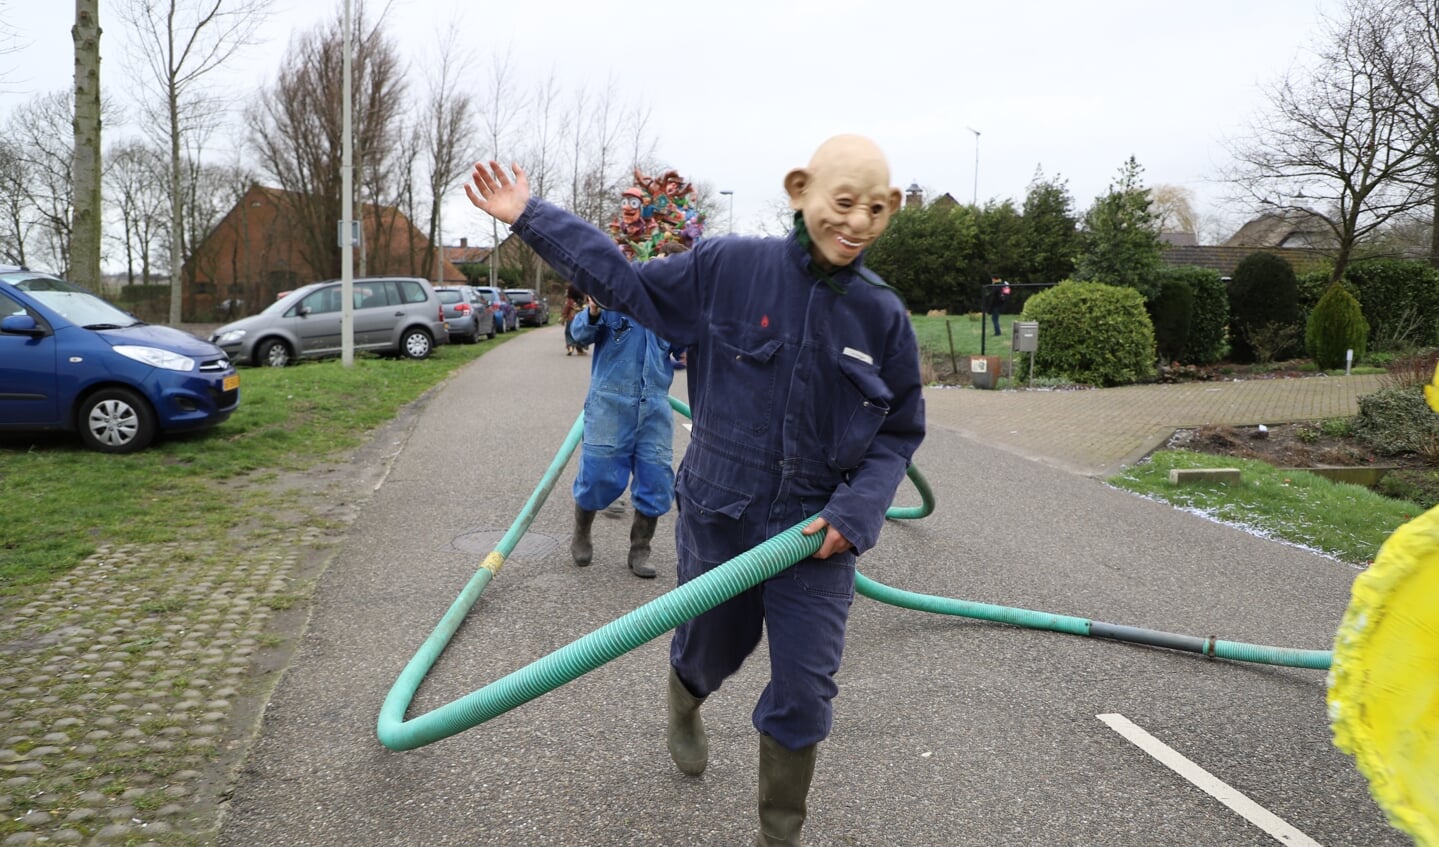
{"type": "Point", "coordinates": [70, 361]}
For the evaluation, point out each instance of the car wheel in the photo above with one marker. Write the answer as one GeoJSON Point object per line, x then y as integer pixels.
{"type": "Point", "coordinates": [416, 344]}
{"type": "Point", "coordinates": [491, 333]}
{"type": "Point", "coordinates": [116, 420]}
{"type": "Point", "coordinates": [273, 354]}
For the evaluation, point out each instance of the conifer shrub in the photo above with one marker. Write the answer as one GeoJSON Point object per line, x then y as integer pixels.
{"type": "Point", "coordinates": [1091, 333]}
{"type": "Point", "coordinates": [1263, 308]}
{"type": "Point", "coordinates": [1335, 326]}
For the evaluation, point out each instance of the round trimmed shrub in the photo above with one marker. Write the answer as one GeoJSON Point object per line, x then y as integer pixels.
{"type": "Point", "coordinates": [1263, 309]}
{"type": "Point", "coordinates": [1336, 326]}
{"type": "Point", "coordinates": [1092, 333]}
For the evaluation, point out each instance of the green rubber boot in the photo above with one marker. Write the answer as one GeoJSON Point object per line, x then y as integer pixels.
{"type": "Point", "coordinates": [784, 777]}
{"type": "Point", "coordinates": [581, 547]}
{"type": "Point", "coordinates": [686, 738]}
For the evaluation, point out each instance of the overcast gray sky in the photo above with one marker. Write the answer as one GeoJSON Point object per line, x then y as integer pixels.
{"type": "Point", "coordinates": [741, 91]}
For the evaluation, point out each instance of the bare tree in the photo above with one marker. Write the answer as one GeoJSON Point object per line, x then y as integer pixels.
{"type": "Point", "coordinates": [39, 137]}
{"type": "Point", "coordinates": [87, 213]}
{"type": "Point", "coordinates": [16, 219]}
{"type": "Point", "coordinates": [596, 171]}
{"type": "Point", "coordinates": [1418, 25]}
{"type": "Point", "coordinates": [10, 41]}
{"type": "Point", "coordinates": [1338, 137]}
{"type": "Point", "coordinates": [137, 181]}
{"type": "Point", "coordinates": [547, 128]}
{"type": "Point", "coordinates": [450, 123]}
{"type": "Point", "coordinates": [179, 42]}
{"type": "Point", "coordinates": [1173, 209]}
{"type": "Point", "coordinates": [501, 115]}
{"type": "Point", "coordinates": [295, 131]}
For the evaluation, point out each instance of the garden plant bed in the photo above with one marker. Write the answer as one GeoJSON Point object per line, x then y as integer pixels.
{"type": "Point", "coordinates": [1310, 445]}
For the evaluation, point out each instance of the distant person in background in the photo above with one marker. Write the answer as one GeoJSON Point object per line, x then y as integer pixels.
{"type": "Point", "coordinates": [574, 303]}
{"type": "Point", "coordinates": [996, 294]}
{"type": "Point", "coordinates": [629, 431]}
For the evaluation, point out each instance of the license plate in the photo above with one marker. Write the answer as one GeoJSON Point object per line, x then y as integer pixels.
{"type": "Point", "coordinates": [232, 382]}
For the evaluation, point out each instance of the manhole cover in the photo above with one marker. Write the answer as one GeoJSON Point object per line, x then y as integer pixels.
{"type": "Point", "coordinates": [481, 542]}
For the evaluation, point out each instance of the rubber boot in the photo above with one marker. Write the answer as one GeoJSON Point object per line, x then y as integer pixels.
{"type": "Point", "coordinates": [686, 738]}
{"type": "Point", "coordinates": [784, 777]}
{"type": "Point", "coordinates": [581, 548]}
{"type": "Point", "coordinates": [642, 531]}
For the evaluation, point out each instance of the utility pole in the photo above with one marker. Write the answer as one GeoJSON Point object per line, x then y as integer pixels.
{"type": "Point", "coordinates": [975, 201]}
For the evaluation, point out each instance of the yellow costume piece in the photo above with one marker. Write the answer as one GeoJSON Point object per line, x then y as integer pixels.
{"type": "Point", "coordinates": [1384, 682]}
{"type": "Point", "coordinates": [1431, 391]}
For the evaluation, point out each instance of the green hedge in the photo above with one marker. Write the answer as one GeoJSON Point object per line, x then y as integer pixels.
{"type": "Point", "coordinates": [1207, 340]}
{"type": "Point", "coordinates": [1400, 300]}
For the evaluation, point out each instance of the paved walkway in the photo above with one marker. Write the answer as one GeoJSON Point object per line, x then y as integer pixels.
{"type": "Point", "coordinates": [1098, 432]}
{"type": "Point", "coordinates": [131, 687]}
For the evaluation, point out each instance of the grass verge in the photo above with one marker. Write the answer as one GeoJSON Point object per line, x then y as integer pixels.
{"type": "Point", "coordinates": [1348, 522]}
{"type": "Point", "coordinates": [62, 500]}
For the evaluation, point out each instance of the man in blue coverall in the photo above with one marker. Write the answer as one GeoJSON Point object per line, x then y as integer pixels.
{"type": "Point", "coordinates": [629, 430]}
{"type": "Point", "coordinates": [807, 406]}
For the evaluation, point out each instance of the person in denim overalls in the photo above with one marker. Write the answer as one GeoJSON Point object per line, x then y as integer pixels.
{"type": "Point", "coordinates": [629, 430]}
{"type": "Point", "coordinates": [807, 406]}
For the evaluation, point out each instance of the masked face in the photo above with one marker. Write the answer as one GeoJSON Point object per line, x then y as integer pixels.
{"type": "Point", "coordinates": [845, 197]}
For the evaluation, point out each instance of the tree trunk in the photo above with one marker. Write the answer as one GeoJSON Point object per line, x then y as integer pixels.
{"type": "Point", "coordinates": [1434, 229]}
{"type": "Point", "coordinates": [85, 166]}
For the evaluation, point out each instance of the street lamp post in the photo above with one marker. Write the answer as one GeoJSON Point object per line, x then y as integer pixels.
{"type": "Point", "coordinates": [730, 194]}
{"type": "Point", "coordinates": [976, 165]}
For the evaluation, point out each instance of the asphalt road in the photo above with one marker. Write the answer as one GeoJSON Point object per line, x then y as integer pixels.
{"type": "Point", "coordinates": [947, 731]}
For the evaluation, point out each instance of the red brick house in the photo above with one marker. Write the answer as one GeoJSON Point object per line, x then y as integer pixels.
{"type": "Point", "coordinates": [258, 250]}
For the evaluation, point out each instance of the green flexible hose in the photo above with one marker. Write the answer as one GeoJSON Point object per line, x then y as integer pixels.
{"type": "Point", "coordinates": [669, 610]}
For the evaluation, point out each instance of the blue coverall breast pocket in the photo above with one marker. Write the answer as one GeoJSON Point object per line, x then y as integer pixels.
{"type": "Point", "coordinates": [860, 409]}
{"type": "Point", "coordinates": [743, 381]}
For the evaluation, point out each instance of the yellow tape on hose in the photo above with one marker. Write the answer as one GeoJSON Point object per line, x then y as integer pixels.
{"type": "Point", "coordinates": [1384, 682]}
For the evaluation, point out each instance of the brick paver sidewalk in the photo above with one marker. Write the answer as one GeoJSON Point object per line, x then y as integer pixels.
{"type": "Point", "coordinates": [1098, 432]}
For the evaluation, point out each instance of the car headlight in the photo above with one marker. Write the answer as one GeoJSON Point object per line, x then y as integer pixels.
{"type": "Point", "coordinates": [157, 358]}
{"type": "Point", "coordinates": [230, 337]}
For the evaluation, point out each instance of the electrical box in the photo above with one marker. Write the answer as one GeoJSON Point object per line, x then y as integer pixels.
{"type": "Point", "coordinates": [1026, 336]}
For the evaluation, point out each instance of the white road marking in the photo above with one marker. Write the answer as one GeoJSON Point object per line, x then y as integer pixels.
{"type": "Point", "coordinates": [1275, 826]}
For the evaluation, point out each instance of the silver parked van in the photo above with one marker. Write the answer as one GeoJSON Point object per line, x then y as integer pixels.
{"type": "Point", "coordinates": [399, 316]}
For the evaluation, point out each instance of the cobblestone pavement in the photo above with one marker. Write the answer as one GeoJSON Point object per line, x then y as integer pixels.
{"type": "Point", "coordinates": [130, 688]}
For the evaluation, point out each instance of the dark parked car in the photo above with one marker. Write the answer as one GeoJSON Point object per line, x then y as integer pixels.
{"type": "Point", "coordinates": [70, 361]}
{"type": "Point", "coordinates": [507, 317]}
{"type": "Point", "coordinates": [533, 309]}
{"type": "Point", "coordinates": [467, 313]}
{"type": "Point", "coordinates": [399, 316]}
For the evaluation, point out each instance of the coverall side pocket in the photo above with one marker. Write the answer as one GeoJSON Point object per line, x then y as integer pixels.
{"type": "Point", "coordinates": [860, 415]}
{"type": "Point", "coordinates": [712, 516]}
